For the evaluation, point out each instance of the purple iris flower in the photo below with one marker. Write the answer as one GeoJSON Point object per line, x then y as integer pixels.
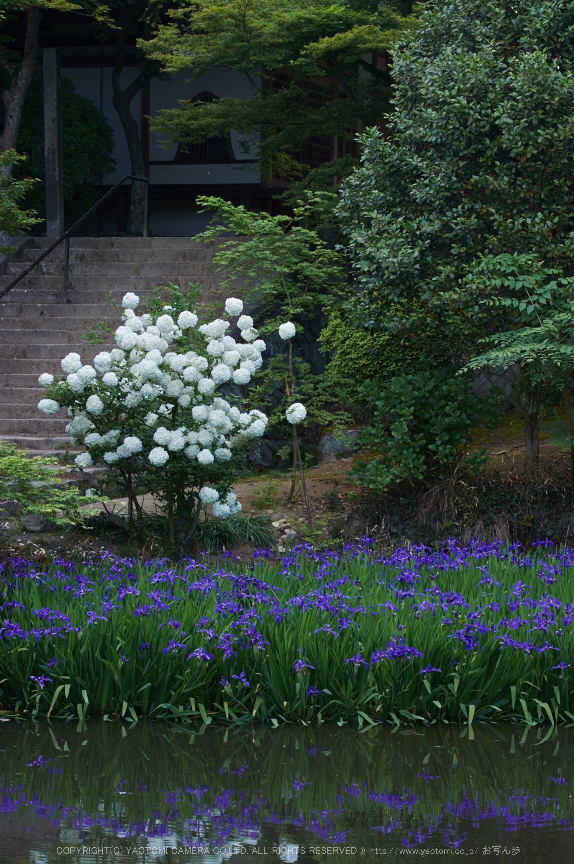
{"type": "Point", "coordinates": [299, 665]}
{"type": "Point", "coordinates": [242, 679]}
{"type": "Point", "coordinates": [357, 661]}
{"type": "Point", "coordinates": [430, 668]}
{"type": "Point", "coordinates": [40, 680]}
{"type": "Point", "coordinates": [561, 666]}
{"type": "Point", "coordinates": [299, 784]}
{"type": "Point", "coordinates": [200, 654]}
{"type": "Point", "coordinates": [313, 692]}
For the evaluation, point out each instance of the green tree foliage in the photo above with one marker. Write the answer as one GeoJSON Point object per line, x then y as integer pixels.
{"type": "Point", "coordinates": [481, 160]}
{"type": "Point", "coordinates": [420, 428]}
{"type": "Point", "coordinates": [12, 192]}
{"type": "Point", "coordinates": [334, 43]}
{"type": "Point", "coordinates": [87, 143]}
{"type": "Point", "coordinates": [531, 308]}
{"type": "Point", "coordinates": [291, 275]}
{"type": "Point", "coordinates": [37, 484]}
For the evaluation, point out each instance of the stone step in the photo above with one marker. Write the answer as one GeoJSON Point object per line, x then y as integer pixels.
{"type": "Point", "coordinates": [76, 323]}
{"type": "Point", "coordinates": [21, 395]}
{"type": "Point", "coordinates": [56, 351]}
{"type": "Point", "coordinates": [160, 272]}
{"type": "Point", "coordinates": [48, 290]}
{"type": "Point", "coordinates": [47, 446]}
{"type": "Point", "coordinates": [56, 310]}
{"type": "Point", "coordinates": [108, 282]}
{"type": "Point", "coordinates": [78, 241]}
{"type": "Point", "coordinates": [19, 380]}
{"type": "Point", "coordinates": [43, 427]}
{"type": "Point", "coordinates": [158, 255]}
{"type": "Point", "coordinates": [35, 365]}
{"type": "Point", "coordinates": [29, 411]}
{"type": "Point", "coordinates": [16, 336]}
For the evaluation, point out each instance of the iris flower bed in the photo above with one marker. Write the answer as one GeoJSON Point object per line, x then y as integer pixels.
{"type": "Point", "coordinates": [475, 633]}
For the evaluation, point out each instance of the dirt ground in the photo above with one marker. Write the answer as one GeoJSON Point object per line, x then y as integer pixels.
{"type": "Point", "coordinates": [340, 510]}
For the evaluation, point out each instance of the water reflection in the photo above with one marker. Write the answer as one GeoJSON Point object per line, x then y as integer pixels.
{"type": "Point", "coordinates": [102, 792]}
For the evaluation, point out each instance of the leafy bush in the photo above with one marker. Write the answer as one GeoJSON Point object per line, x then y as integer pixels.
{"type": "Point", "coordinates": [12, 194]}
{"type": "Point", "coordinates": [152, 416]}
{"type": "Point", "coordinates": [38, 486]}
{"type": "Point", "coordinates": [420, 428]}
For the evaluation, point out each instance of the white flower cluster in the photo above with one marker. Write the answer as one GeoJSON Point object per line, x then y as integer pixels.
{"type": "Point", "coordinates": [141, 373]}
{"type": "Point", "coordinates": [222, 509]}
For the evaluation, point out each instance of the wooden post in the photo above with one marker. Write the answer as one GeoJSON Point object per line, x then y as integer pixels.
{"type": "Point", "coordinates": [53, 145]}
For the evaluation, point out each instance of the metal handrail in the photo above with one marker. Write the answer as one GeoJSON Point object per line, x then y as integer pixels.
{"type": "Point", "coordinates": [65, 238]}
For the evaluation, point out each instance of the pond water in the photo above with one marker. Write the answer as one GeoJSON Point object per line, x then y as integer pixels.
{"type": "Point", "coordinates": [111, 792]}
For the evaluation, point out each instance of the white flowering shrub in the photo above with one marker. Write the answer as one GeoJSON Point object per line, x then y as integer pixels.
{"type": "Point", "coordinates": [149, 409]}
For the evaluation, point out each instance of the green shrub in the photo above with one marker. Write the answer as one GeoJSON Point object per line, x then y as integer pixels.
{"type": "Point", "coordinates": [37, 484]}
{"type": "Point", "coordinates": [420, 428]}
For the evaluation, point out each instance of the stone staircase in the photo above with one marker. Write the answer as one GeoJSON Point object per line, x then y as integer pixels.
{"type": "Point", "coordinates": [37, 328]}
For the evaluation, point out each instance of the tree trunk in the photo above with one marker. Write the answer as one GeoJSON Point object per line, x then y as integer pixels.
{"type": "Point", "coordinates": [121, 101]}
{"type": "Point", "coordinates": [15, 93]}
{"type": "Point", "coordinates": [529, 411]}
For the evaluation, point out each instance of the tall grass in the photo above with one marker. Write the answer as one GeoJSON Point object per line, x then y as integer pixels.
{"type": "Point", "coordinates": [472, 634]}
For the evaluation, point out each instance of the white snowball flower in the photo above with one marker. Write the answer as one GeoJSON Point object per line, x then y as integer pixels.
{"type": "Point", "coordinates": [83, 460]}
{"type": "Point", "coordinates": [208, 495]}
{"type": "Point", "coordinates": [220, 374]}
{"type": "Point", "coordinates": [192, 451]}
{"type": "Point", "coordinates": [241, 376]}
{"type": "Point", "coordinates": [75, 383]}
{"type": "Point", "coordinates": [215, 329]}
{"type": "Point", "coordinates": [215, 348]}
{"type": "Point", "coordinates": [111, 458]}
{"type": "Point", "coordinates": [117, 355]}
{"type": "Point", "coordinates": [79, 426]}
{"type": "Point", "coordinates": [94, 405]}
{"type": "Point", "coordinates": [146, 319]}
{"type": "Point", "coordinates": [130, 300]}
{"type": "Point", "coordinates": [48, 406]}
{"type": "Point", "coordinates": [221, 511]}
{"type": "Point", "coordinates": [296, 413]}
{"type": "Point", "coordinates": [135, 325]}
{"type": "Point", "coordinates": [125, 338]}
{"type": "Point", "coordinates": [199, 413]}
{"type": "Point", "coordinates": [112, 436]}
{"type": "Point", "coordinates": [257, 429]}
{"type": "Point", "coordinates": [177, 362]}
{"type": "Point", "coordinates": [221, 404]}
{"type": "Point", "coordinates": [184, 401]}
{"type": "Point", "coordinates": [71, 363]}
{"type": "Point", "coordinates": [45, 379]}
{"type": "Point", "coordinates": [204, 437]}
{"type": "Point", "coordinates": [259, 345]}
{"type": "Point", "coordinates": [249, 335]}
{"type": "Point", "coordinates": [287, 330]}
{"type": "Point", "coordinates": [191, 374]}
{"type": "Point", "coordinates": [111, 379]}
{"type": "Point", "coordinates": [87, 374]}
{"type": "Point", "coordinates": [186, 320]}
{"type": "Point", "coordinates": [229, 343]}
{"type": "Point", "coordinates": [176, 440]}
{"type": "Point", "coordinates": [123, 452]}
{"type": "Point", "coordinates": [200, 363]}
{"type": "Point", "coordinates": [149, 391]}
{"type": "Point", "coordinates": [132, 444]}
{"type": "Point", "coordinates": [150, 418]}
{"type": "Point", "coordinates": [233, 306]}
{"type": "Point", "coordinates": [205, 457]}
{"type": "Point", "coordinates": [231, 358]}
{"type": "Point", "coordinates": [174, 388]}
{"type": "Point", "coordinates": [132, 399]}
{"type": "Point", "coordinates": [94, 439]}
{"type": "Point", "coordinates": [158, 456]}
{"type": "Point", "coordinates": [165, 324]}
{"type": "Point", "coordinates": [245, 322]}
{"type": "Point", "coordinates": [222, 454]}
{"type": "Point", "coordinates": [162, 436]}
{"type": "Point", "coordinates": [206, 386]}
{"type": "Point", "coordinates": [234, 413]}
{"type": "Point", "coordinates": [249, 365]}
